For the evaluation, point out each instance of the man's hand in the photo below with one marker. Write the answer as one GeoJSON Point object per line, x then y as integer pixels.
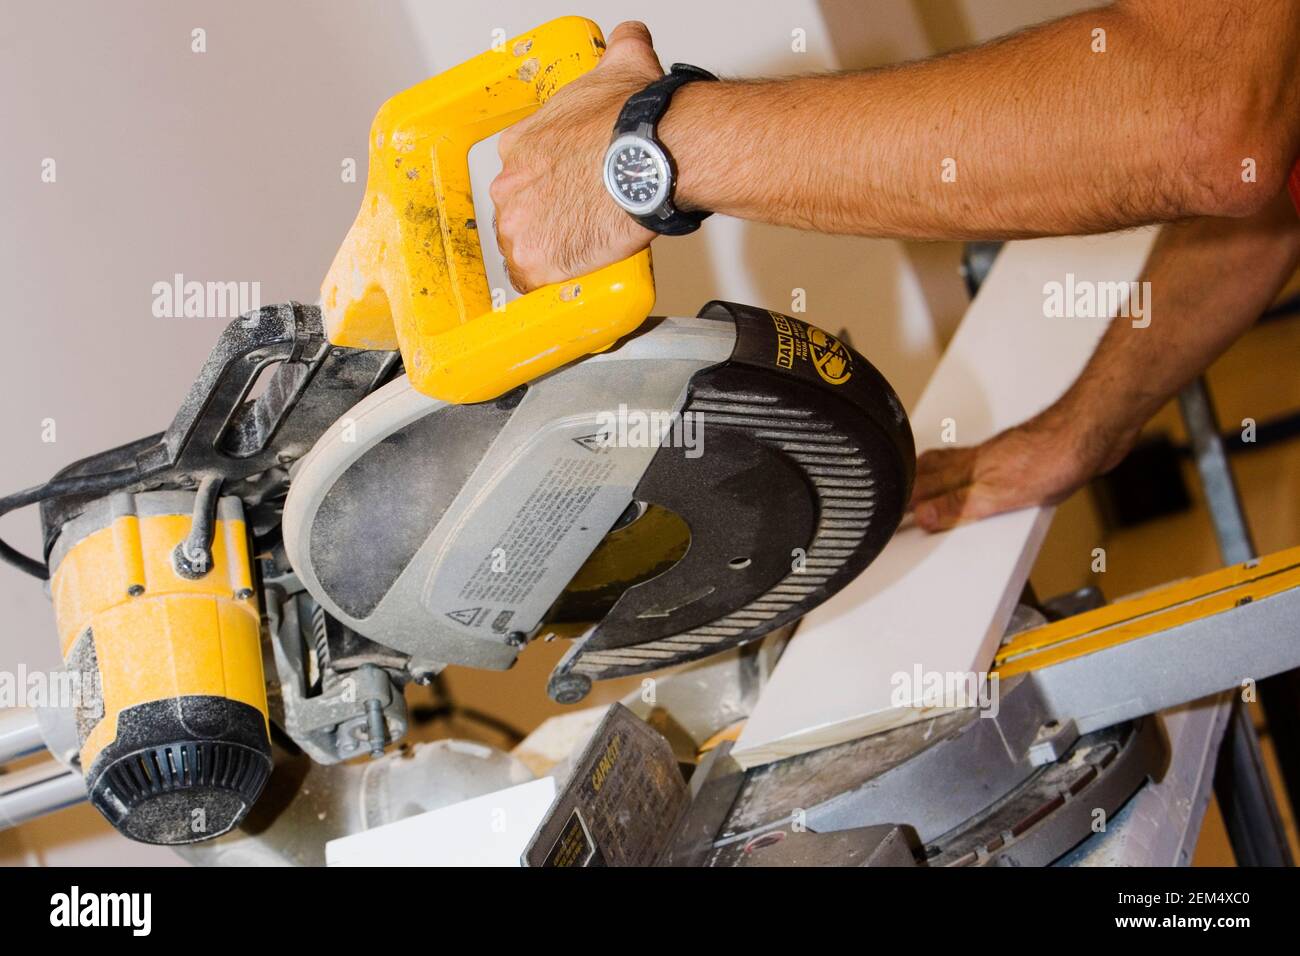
{"type": "Point", "coordinates": [1041, 461]}
{"type": "Point", "coordinates": [1210, 280]}
{"type": "Point", "coordinates": [554, 219]}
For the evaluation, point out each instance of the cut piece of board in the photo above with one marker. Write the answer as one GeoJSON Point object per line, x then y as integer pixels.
{"type": "Point", "coordinates": [940, 603]}
{"type": "Point", "coordinates": [488, 830]}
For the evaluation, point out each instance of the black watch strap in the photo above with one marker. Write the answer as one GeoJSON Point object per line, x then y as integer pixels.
{"type": "Point", "coordinates": [642, 113]}
{"type": "Point", "coordinates": [649, 105]}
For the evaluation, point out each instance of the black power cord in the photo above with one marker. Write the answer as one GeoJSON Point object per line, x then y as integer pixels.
{"type": "Point", "coordinates": [56, 488]}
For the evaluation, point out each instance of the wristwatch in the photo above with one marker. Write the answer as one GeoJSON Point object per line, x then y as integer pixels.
{"type": "Point", "coordinates": [639, 172]}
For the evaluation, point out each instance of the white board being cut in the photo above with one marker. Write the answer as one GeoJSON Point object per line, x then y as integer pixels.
{"type": "Point", "coordinates": [938, 604]}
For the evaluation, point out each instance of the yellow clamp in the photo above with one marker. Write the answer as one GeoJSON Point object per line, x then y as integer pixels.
{"type": "Point", "coordinates": [410, 273]}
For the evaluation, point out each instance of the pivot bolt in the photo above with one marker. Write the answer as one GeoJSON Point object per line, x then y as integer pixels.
{"type": "Point", "coordinates": [568, 688]}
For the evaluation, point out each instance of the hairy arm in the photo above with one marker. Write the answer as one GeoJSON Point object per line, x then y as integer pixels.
{"type": "Point", "coordinates": [1047, 137]}
{"type": "Point", "coordinates": [1210, 279]}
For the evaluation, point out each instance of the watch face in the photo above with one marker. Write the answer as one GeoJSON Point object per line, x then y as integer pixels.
{"type": "Point", "coordinates": [636, 174]}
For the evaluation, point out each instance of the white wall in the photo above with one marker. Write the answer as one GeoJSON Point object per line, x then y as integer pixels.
{"type": "Point", "coordinates": [223, 166]}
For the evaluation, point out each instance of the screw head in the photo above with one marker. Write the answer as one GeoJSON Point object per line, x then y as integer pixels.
{"type": "Point", "coordinates": [568, 688]}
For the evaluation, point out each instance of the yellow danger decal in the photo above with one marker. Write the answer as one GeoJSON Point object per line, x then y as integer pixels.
{"type": "Point", "coordinates": [828, 355]}
{"type": "Point", "coordinates": [784, 340]}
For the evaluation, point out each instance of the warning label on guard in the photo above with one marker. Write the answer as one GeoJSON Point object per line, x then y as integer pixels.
{"type": "Point", "coordinates": [807, 343]}
{"type": "Point", "coordinates": [520, 557]}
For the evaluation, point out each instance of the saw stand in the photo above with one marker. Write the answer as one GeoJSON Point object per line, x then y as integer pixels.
{"type": "Point", "coordinates": [1246, 800]}
{"type": "Point", "coordinates": [1216, 743]}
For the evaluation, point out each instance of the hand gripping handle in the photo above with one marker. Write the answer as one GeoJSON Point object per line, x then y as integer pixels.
{"type": "Point", "coordinates": [410, 273]}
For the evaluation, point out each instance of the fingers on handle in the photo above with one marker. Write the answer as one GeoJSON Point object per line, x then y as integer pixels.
{"type": "Point", "coordinates": [513, 273]}
{"type": "Point", "coordinates": [632, 39]}
{"type": "Point", "coordinates": [629, 31]}
{"type": "Point", "coordinates": [517, 280]}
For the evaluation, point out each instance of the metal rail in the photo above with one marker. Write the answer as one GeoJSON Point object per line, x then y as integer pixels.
{"type": "Point", "coordinates": [20, 734]}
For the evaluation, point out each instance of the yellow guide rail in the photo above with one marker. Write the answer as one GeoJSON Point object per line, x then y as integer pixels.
{"type": "Point", "coordinates": [1150, 613]}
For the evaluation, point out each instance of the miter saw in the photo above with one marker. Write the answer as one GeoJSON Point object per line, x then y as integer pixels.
{"type": "Point", "coordinates": [407, 478]}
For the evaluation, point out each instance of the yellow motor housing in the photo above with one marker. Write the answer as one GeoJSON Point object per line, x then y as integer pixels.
{"type": "Point", "coordinates": [172, 714]}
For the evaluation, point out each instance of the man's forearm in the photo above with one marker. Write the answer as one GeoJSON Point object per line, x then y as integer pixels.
{"type": "Point", "coordinates": [1210, 279]}
{"type": "Point", "coordinates": [1035, 134]}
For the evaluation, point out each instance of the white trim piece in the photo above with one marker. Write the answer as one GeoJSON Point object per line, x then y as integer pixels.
{"type": "Point", "coordinates": [489, 830]}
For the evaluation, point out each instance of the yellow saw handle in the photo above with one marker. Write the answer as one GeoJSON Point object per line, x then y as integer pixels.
{"type": "Point", "coordinates": [410, 273]}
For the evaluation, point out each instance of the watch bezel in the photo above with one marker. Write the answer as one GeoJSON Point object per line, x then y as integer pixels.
{"type": "Point", "coordinates": [661, 161]}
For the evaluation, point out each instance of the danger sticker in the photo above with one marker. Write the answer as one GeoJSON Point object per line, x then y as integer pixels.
{"type": "Point", "coordinates": [784, 340]}
{"type": "Point", "coordinates": [827, 354]}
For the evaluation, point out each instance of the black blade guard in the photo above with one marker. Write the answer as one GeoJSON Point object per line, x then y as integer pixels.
{"type": "Point", "coordinates": [795, 470]}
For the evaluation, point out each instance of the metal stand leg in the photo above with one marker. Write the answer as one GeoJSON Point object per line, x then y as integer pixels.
{"type": "Point", "coordinates": [1249, 809]}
